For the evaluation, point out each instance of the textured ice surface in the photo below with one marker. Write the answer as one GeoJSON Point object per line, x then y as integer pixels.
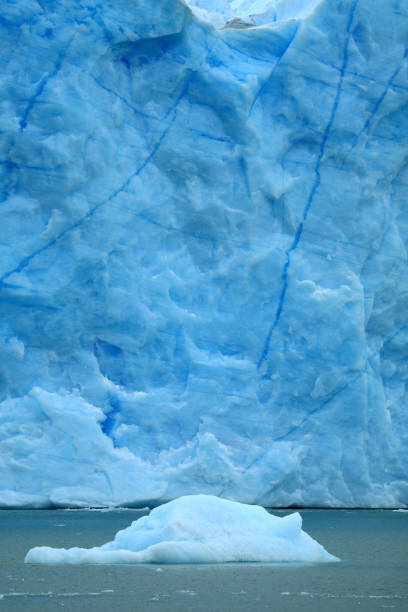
{"type": "Point", "coordinates": [203, 265]}
{"type": "Point", "coordinates": [199, 529]}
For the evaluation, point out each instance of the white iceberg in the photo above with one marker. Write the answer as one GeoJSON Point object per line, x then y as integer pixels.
{"type": "Point", "coordinates": [199, 529]}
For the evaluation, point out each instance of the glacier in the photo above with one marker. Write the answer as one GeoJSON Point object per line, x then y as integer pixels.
{"type": "Point", "coordinates": [203, 239]}
{"type": "Point", "coordinates": [199, 529]}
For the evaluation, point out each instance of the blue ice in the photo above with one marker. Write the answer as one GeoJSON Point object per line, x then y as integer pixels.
{"type": "Point", "coordinates": [203, 252]}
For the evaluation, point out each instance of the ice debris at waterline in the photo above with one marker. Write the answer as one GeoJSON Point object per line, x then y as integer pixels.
{"type": "Point", "coordinates": [199, 529]}
{"type": "Point", "coordinates": [203, 252]}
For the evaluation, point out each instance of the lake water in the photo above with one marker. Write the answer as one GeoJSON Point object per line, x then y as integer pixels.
{"type": "Point", "coordinates": [373, 573]}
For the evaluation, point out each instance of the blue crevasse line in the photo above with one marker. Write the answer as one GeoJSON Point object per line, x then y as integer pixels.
{"type": "Point", "coordinates": [10, 166]}
{"type": "Point", "coordinates": [25, 262]}
{"type": "Point", "coordinates": [33, 100]}
{"type": "Point", "coordinates": [306, 418]}
{"type": "Point", "coordinates": [123, 100]}
{"type": "Point", "coordinates": [210, 137]}
{"type": "Point", "coordinates": [316, 183]}
{"type": "Point", "coordinates": [330, 398]}
{"type": "Point", "coordinates": [243, 166]}
{"type": "Point", "coordinates": [103, 472]}
{"type": "Point", "coordinates": [358, 75]}
{"type": "Point", "coordinates": [237, 50]}
{"type": "Point", "coordinates": [261, 89]}
{"type": "Point", "coordinates": [380, 100]}
{"type": "Point", "coordinates": [257, 58]}
{"type": "Point", "coordinates": [391, 338]}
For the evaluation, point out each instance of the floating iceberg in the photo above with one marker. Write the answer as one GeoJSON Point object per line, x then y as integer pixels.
{"type": "Point", "coordinates": [203, 252]}
{"type": "Point", "coordinates": [199, 529]}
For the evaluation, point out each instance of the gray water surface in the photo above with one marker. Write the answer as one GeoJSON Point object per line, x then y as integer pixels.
{"type": "Point", "coordinates": [373, 573]}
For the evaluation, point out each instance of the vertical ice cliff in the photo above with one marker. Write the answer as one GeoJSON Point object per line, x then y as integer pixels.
{"type": "Point", "coordinates": [203, 240]}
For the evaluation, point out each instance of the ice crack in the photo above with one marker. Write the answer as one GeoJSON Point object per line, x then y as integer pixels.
{"type": "Point", "coordinates": [123, 100]}
{"type": "Point", "coordinates": [41, 86]}
{"type": "Point", "coordinates": [315, 186]}
{"type": "Point", "coordinates": [380, 100]}
{"type": "Point", "coordinates": [172, 113]}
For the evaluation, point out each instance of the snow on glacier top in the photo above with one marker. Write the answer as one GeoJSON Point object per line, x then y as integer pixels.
{"type": "Point", "coordinates": [250, 12]}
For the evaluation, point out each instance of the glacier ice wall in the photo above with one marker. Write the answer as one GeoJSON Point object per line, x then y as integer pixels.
{"type": "Point", "coordinates": [203, 240]}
